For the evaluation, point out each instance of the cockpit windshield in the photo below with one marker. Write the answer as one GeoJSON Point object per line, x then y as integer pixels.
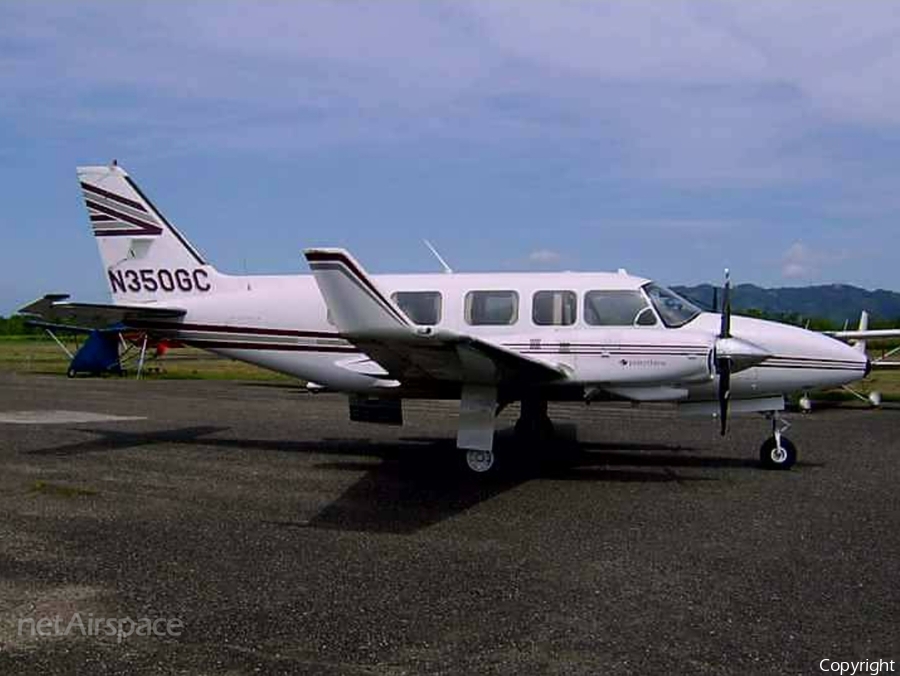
{"type": "Point", "coordinates": [674, 310]}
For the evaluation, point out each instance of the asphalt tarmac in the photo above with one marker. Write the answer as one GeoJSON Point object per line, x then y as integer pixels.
{"type": "Point", "coordinates": [282, 538]}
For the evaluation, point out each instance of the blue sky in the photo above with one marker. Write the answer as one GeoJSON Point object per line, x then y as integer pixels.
{"type": "Point", "coordinates": [670, 138]}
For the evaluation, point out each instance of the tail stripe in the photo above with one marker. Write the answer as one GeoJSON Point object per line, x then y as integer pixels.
{"type": "Point", "coordinates": [112, 196]}
{"type": "Point", "coordinates": [143, 227]}
{"type": "Point", "coordinates": [187, 245]}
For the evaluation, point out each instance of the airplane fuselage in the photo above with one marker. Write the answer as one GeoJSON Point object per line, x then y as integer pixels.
{"type": "Point", "coordinates": [281, 323]}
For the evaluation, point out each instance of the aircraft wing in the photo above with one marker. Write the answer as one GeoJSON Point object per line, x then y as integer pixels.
{"type": "Point", "coordinates": [884, 364]}
{"type": "Point", "coordinates": [364, 315]}
{"type": "Point", "coordinates": [863, 332]}
{"type": "Point", "coordinates": [869, 334]}
{"type": "Point", "coordinates": [55, 309]}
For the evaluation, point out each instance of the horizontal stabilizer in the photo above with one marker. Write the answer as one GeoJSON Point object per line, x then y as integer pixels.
{"type": "Point", "coordinates": [56, 309]}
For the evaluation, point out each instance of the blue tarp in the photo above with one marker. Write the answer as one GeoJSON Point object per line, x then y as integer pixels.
{"type": "Point", "coordinates": [98, 355]}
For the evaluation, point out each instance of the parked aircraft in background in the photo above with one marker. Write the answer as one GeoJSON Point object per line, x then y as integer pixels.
{"type": "Point", "coordinates": [105, 350]}
{"type": "Point", "coordinates": [860, 338]}
{"type": "Point", "coordinates": [487, 339]}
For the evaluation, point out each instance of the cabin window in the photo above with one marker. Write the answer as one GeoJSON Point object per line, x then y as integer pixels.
{"type": "Point", "coordinates": [553, 308]}
{"type": "Point", "coordinates": [617, 308]}
{"type": "Point", "coordinates": [492, 308]}
{"type": "Point", "coordinates": [422, 307]}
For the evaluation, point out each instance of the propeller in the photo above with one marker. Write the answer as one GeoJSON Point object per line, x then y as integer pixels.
{"type": "Point", "coordinates": [724, 361]}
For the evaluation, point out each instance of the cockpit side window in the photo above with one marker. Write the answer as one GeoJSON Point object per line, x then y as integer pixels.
{"type": "Point", "coordinates": [422, 307]}
{"type": "Point", "coordinates": [617, 308]}
{"type": "Point", "coordinates": [674, 310]}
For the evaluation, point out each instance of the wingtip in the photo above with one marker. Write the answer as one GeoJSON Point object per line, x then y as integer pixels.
{"type": "Point", "coordinates": [330, 254]}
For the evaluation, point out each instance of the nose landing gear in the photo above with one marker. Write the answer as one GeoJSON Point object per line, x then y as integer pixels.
{"type": "Point", "coordinates": [777, 452]}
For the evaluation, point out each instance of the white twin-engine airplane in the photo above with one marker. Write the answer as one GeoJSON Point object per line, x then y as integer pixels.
{"type": "Point", "coordinates": [486, 339]}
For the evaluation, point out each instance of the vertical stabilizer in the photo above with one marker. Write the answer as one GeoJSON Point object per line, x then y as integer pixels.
{"type": "Point", "coordinates": [860, 345]}
{"type": "Point", "coordinates": [144, 256]}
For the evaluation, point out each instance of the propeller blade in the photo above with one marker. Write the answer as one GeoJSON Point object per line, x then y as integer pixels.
{"type": "Point", "coordinates": [723, 365]}
{"type": "Point", "coordinates": [728, 352]}
{"type": "Point", "coordinates": [725, 331]}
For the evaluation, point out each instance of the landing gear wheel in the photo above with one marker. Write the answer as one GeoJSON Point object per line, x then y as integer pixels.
{"type": "Point", "coordinates": [771, 456]}
{"type": "Point", "coordinates": [480, 461]}
{"type": "Point", "coordinates": [71, 373]}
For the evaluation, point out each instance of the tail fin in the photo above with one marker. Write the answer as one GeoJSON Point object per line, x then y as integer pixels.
{"type": "Point", "coordinates": [860, 345]}
{"type": "Point", "coordinates": [144, 256]}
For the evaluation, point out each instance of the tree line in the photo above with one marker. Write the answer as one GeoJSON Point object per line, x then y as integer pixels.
{"type": "Point", "coordinates": [16, 326]}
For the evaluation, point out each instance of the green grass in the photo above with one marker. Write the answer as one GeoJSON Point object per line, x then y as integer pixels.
{"type": "Point", "coordinates": [27, 355]}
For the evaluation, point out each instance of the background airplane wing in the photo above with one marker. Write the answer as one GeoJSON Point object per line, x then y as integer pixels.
{"type": "Point", "coordinates": [869, 334]}
{"type": "Point", "coordinates": [55, 309]}
{"type": "Point", "coordinates": [406, 351]}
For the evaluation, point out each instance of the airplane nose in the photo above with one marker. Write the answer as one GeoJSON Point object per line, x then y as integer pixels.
{"type": "Point", "coordinates": [800, 358]}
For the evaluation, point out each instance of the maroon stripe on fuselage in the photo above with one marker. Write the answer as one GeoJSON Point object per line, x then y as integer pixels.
{"type": "Point", "coordinates": [237, 345]}
{"type": "Point", "coordinates": [219, 328]}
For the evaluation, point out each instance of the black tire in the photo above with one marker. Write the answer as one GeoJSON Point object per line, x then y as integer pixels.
{"type": "Point", "coordinates": [482, 464]}
{"type": "Point", "coordinates": [769, 457]}
{"type": "Point", "coordinates": [71, 373]}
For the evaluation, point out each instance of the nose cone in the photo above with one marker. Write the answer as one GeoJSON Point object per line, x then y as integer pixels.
{"type": "Point", "coordinates": [809, 358]}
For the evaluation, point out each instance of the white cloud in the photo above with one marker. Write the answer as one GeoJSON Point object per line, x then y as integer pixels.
{"type": "Point", "coordinates": [544, 257]}
{"type": "Point", "coordinates": [802, 262]}
{"type": "Point", "coordinates": [690, 94]}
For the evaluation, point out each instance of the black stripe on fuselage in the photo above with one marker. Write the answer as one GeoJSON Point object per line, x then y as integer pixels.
{"type": "Point", "coordinates": [641, 346]}
{"type": "Point", "coordinates": [781, 360]}
{"type": "Point", "coordinates": [812, 367]}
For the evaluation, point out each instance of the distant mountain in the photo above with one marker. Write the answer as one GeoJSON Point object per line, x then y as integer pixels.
{"type": "Point", "coordinates": [833, 302]}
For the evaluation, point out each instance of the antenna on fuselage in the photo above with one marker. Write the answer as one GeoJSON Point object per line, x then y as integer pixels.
{"type": "Point", "coordinates": [447, 269]}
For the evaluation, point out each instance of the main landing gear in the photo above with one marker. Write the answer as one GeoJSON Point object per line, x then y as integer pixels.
{"type": "Point", "coordinates": [777, 452]}
{"type": "Point", "coordinates": [533, 428]}
{"type": "Point", "coordinates": [534, 425]}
